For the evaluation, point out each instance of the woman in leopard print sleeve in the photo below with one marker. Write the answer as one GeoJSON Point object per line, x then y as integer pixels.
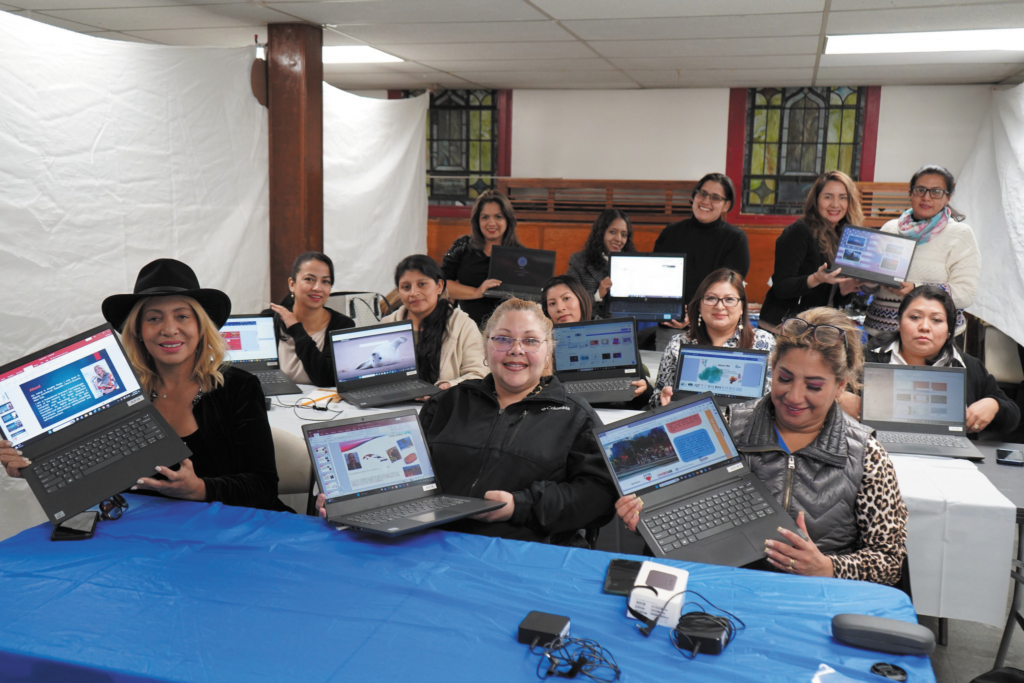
{"type": "Point", "coordinates": [828, 470]}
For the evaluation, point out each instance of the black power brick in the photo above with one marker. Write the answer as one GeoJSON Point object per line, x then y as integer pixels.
{"type": "Point", "coordinates": [541, 628]}
{"type": "Point", "coordinates": [707, 639]}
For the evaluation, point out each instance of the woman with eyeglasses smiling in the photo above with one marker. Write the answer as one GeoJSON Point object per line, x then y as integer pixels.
{"type": "Point", "coordinates": [708, 241]}
{"type": "Point", "coordinates": [947, 253]}
{"type": "Point", "coordinates": [517, 437]}
{"type": "Point", "coordinates": [718, 317]}
{"type": "Point", "coordinates": [826, 469]}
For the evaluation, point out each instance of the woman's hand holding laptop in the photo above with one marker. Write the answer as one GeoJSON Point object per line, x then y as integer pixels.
{"type": "Point", "coordinates": [12, 460]}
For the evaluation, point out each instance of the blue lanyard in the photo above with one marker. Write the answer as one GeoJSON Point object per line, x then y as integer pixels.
{"type": "Point", "coordinates": [782, 442]}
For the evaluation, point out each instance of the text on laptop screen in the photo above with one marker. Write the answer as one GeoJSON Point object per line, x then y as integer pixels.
{"type": "Point", "coordinates": [521, 267]}
{"type": "Point", "coordinates": [594, 347]}
{"type": "Point", "coordinates": [723, 373]}
{"type": "Point", "coordinates": [669, 447]}
{"type": "Point", "coordinates": [646, 276]}
{"type": "Point", "coordinates": [897, 393]}
{"type": "Point", "coordinates": [50, 392]}
{"type": "Point", "coordinates": [877, 252]}
{"type": "Point", "coordinates": [250, 339]}
{"type": "Point", "coordinates": [381, 455]}
{"type": "Point", "coordinates": [360, 354]}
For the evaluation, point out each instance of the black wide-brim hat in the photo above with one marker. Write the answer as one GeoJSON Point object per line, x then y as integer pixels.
{"type": "Point", "coordinates": [167, 277]}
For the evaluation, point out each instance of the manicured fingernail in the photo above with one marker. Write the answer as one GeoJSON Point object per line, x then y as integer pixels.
{"type": "Point", "coordinates": [159, 469]}
{"type": "Point", "coordinates": [133, 488]}
{"type": "Point", "coordinates": [770, 544]}
{"type": "Point", "coordinates": [139, 481]}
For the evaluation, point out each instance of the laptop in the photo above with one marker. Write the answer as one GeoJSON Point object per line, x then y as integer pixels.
{"type": "Point", "coordinates": [77, 411]}
{"type": "Point", "coordinates": [732, 375]}
{"type": "Point", "coordinates": [598, 360]}
{"type": "Point", "coordinates": [701, 503]}
{"type": "Point", "coordinates": [252, 345]}
{"type": "Point", "coordinates": [522, 272]}
{"type": "Point", "coordinates": [874, 256]}
{"type": "Point", "coordinates": [646, 286]}
{"type": "Point", "coordinates": [918, 410]}
{"type": "Point", "coordinates": [376, 365]}
{"type": "Point", "coordinates": [377, 476]}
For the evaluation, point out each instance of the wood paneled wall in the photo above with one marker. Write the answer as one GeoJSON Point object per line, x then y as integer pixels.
{"type": "Point", "coordinates": [567, 238]}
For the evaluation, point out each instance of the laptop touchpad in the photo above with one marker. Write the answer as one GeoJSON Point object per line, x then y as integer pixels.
{"type": "Point", "coordinates": [733, 551]}
{"type": "Point", "coordinates": [430, 516]}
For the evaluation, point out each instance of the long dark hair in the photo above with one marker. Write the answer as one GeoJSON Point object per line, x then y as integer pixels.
{"type": "Point", "coordinates": [509, 239]}
{"type": "Point", "coordinates": [289, 301]}
{"type": "Point", "coordinates": [825, 235]}
{"type": "Point", "coordinates": [932, 293]}
{"type": "Point", "coordinates": [574, 285]}
{"type": "Point", "coordinates": [699, 329]}
{"type": "Point", "coordinates": [433, 328]}
{"type": "Point", "coordinates": [594, 250]}
{"type": "Point", "coordinates": [935, 169]}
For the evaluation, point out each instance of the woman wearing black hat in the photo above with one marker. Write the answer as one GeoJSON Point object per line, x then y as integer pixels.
{"type": "Point", "coordinates": [170, 332]}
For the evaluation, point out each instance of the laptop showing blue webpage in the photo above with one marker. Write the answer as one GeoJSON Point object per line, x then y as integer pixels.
{"type": "Point", "coordinates": [376, 474]}
{"type": "Point", "coordinates": [252, 345]}
{"type": "Point", "coordinates": [598, 359]}
{"type": "Point", "coordinates": [701, 503]}
{"type": "Point", "coordinates": [874, 256]}
{"type": "Point", "coordinates": [732, 375]}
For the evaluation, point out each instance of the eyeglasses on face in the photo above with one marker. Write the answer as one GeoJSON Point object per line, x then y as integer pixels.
{"type": "Point", "coordinates": [503, 343]}
{"type": "Point", "coordinates": [728, 301]}
{"type": "Point", "coordinates": [715, 198]}
{"type": "Point", "coordinates": [823, 334]}
{"type": "Point", "coordinates": [933, 192]}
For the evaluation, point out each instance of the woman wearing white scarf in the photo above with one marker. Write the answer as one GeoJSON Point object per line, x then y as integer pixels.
{"type": "Point", "coordinates": [947, 253]}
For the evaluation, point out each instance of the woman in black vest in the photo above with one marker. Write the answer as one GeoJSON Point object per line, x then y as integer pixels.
{"type": "Point", "coordinates": [826, 468]}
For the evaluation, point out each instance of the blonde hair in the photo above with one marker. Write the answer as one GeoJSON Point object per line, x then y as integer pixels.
{"type": "Point", "coordinates": [845, 361]}
{"type": "Point", "coordinates": [825, 235]}
{"type": "Point", "coordinates": [209, 354]}
{"type": "Point", "coordinates": [514, 305]}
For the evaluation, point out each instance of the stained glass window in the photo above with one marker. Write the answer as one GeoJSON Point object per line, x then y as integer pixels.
{"type": "Point", "coordinates": [462, 134]}
{"type": "Point", "coordinates": [793, 136]}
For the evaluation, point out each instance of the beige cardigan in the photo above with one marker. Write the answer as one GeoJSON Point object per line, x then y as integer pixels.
{"type": "Point", "coordinates": [462, 353]}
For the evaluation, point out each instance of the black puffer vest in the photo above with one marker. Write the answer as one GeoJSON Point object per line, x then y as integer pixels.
{"type": "Point", "coordinates": [822, 479]}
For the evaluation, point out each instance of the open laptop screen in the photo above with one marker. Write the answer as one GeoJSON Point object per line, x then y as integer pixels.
{"type": "Point", "coordinates": [723, 372]}
{"type": "Point", "coordinates": [604, 346]}
{"type": "Point", "coordinates": [371, 457]}
{"type": "Point", "coordinates": [913, 395]}
{"type": "Point", "coordinates": [365, 353]}
{"type": "Point", "coordinates": [47, 393]}
{"type": "Point", "coordinates": [646, 276]}
{"type": "Point", "coordinates": [521, 267]}
{"type": "Point", "coordinates": [669, 446]}
{"type": "Point", "coordinates": [250, 338]}
{"type": "Point", "coordinates": [880, 253]}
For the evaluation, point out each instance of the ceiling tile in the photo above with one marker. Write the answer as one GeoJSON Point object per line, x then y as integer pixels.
{"type": "Point", "coordinates": [474, 32]}
{"type": "Point", "coordinates": [1008, 58]}
{"type": "Point", "coordinates": [688, 63]}
{"type": "Point", "coordinates": [45, 5]}
{"type": "Point", "coordinates": [722, 77]}
{"type": "Point", "coordinates": [706, 47]}
{"type": "Point", "coordinates": [207, 16]}
{"type": "Point", "coordinates": [1007, 15]}
{"type": "Point", "coordinates": [395, 81]}
{"type": "Point", "coordinates": [410, 11]}
{"type": "Point", "coordinates": [769, 25]}
{"type": "Point", "coordinates": [239, 36]}
{"type": "Point", "coordinates": [385, 68]}
{"type": "Point", "coordinates": [58, 22]}
{"type": "Point", "coordinates": [117, 35]}
{"type": "Point", "coordinates": [545, 77]}
{"type": "Point", "coordinates": [542, 50]}
{"type": "Point", "coordinates": [632, 9]}
{"type": "Point", "coordinates": [845, 5]}
{"type": "Point", "coordinates": [915, 74]}
{"type": "Point", "coordinates": [594, 64]}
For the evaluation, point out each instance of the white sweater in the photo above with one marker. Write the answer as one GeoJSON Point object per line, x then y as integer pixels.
{"type": "Point", "coordinates": [951, 258]}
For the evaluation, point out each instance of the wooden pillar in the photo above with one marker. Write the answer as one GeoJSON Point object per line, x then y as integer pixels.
{"type": "Point", "coordinates": [295, 103]}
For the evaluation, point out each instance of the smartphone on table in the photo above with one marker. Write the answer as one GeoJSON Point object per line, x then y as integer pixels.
{"type": "Point", "coordinates": [1010, 456]}
{"type": "Point", "coordinates": [78, 528]}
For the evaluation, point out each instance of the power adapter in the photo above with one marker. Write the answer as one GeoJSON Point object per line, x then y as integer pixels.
{"type": "Point", "coordinates": [541, 628]}
{"type": "Point", "coordinates": [707, 640]}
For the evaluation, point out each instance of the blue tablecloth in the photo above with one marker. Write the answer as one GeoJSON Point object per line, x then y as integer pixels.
{"type": "Point", "coordinates": [196, 592]}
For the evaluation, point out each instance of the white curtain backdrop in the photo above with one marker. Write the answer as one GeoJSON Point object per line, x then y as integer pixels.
{"type": "Point", "coordinates": [113, 154]}
{"type": "Point", "coordinates": [990, 192]}
{"type": "Point", "coordinates": [375, 197]}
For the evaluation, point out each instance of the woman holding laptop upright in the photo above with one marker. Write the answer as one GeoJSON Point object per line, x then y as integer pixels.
{"type": "Point", "coordinates": [611, 233]}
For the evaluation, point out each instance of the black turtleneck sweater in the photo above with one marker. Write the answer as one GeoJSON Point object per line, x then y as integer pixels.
{"type": "Point", "coordinates": [708, 247]}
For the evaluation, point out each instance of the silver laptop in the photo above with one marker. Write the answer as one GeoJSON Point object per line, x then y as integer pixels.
{"type": "Point", "coordinates": [874, 256]}
{"type": "Point", "coordinates": [701, 503]}
{"type": "Point", "coordinates": [376, 365]}
{"type": "Point", "coordinates": [918, 410]}
{"type": "Point", "coordinates": [647, 286]}
{"type": "Point", "coordinates": [78, 412]}
{"type": "Point", "coordinates": [522, 272]}
{"type": "Point", "coordinates": [376, 474]}
{"type": "Point", "coordinates": [252, 346]}
{"type": "Point", "coordinates": [598, 360]}
{"type": "Point", "coordinates": [732, 375]}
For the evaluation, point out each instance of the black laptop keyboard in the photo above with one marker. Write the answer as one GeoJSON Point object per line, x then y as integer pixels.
{"type": "Point", "coordinates": [397, 388]}
{"type": "Point", "coordinates": [595, 385]}
{"type": "Point", "coordinates": [923, 439]}
{"type": "Point", "coordinates": [640, 307]}
{"type": "Point", "coordinates": [84, 459]}
{"type": "Point", "coordinates": [700, 519]}
{"type": "Point", "coordinates": [272, 377]}
{"type": "Point", "coordinates": [394, 512]}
